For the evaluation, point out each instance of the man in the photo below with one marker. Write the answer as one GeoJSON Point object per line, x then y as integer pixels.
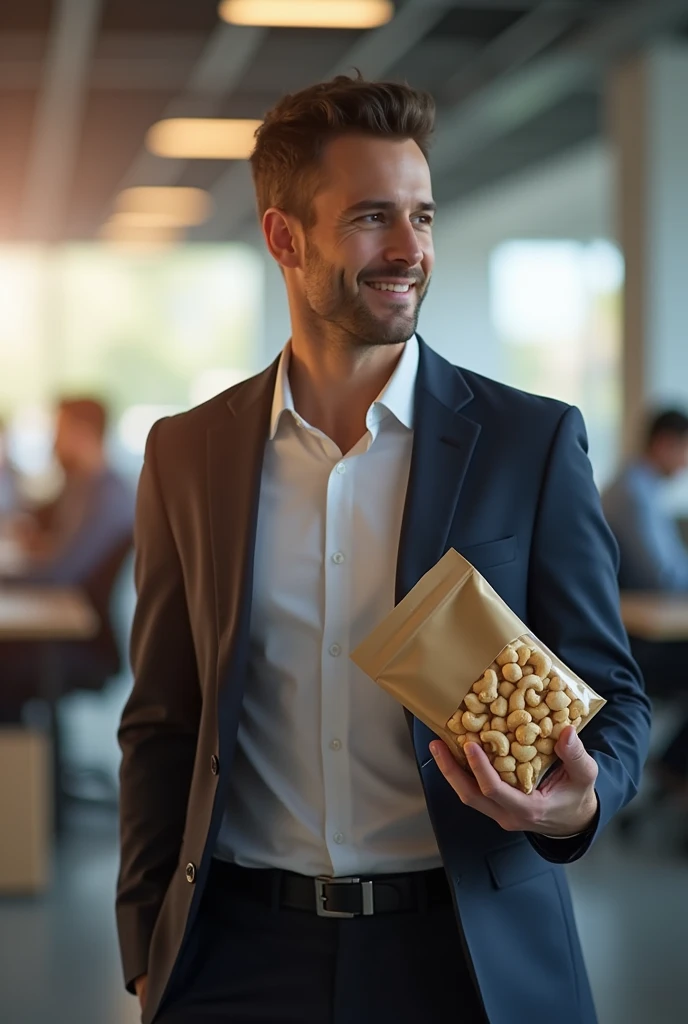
{"type": "Point", "coordinates": [77, 541]}
{"type": "Point", "coordinates": [8, 478]}
{"type": "Point", "coordinates": [653, 556]}
{"type": "Point", "coordinates": [94, 511]}
{"type": "Point", "coordinates": [268, 787]}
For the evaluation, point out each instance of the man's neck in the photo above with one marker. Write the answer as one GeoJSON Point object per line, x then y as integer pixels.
{"type": "Point", "coordinates": [334, 386]}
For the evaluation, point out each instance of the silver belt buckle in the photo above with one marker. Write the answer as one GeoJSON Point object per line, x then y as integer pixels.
{"type": "Point", "coordinates": [367, 900]}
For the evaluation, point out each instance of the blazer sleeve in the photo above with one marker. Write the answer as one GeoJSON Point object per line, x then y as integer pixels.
{"type": "Point", "coordinates": [159, 725]}
{"type": "Point", "coordinates": [573, 606]}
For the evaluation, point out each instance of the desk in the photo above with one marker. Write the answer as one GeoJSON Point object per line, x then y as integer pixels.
{"type": "Point", "coordinates": [40, 614]}
{"type": "Point", "coordinates": [660, 618]}
{"type": "Point", "coordinates": [47, 616]}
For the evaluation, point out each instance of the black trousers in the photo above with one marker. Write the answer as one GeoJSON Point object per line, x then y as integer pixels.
{"type": "Point", "coordinates": [256, 964]}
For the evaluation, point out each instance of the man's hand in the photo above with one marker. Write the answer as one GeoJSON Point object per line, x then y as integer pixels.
{"type": "Point", "coordinates": [564, 804]}
{"type": "Point", "coordinates": [141, 984]}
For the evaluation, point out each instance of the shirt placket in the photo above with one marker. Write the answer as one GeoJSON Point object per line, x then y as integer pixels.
{"type": "Point", "coordinates": [335, 701]}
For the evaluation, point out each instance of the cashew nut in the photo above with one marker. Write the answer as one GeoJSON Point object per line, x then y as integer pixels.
{"type": "Point", "coordinates": [489, 678]}
{"type": "Point", "coordinates": [523, 654]}
{"type": "Point", "coordinates": [499, 707]}
{"type": "Point", "coordinates": [540, 712]}
{"type": "Point", "coordinates": [488, 695]}
{"type": "Point", "coordinates": [556, 683]}
{"type": "Point", "coordinates": [517, 701]}
{"type": "Point", "coordinates": [473, 704]}
{"type": "Point", "coordinates": [558, 728]}
{"type": "Point", "coordinates": [508, 656]}
{"type": "Point", "coordinates": [506, 689]}
{"type": "Point", "coordinates": [524, 774]}
{"type": "Point", "coordinates": [454, 723]}
{"type": "Point", "coordinates": [528, 670]}
{"type": "Point", "coordinates": [575, 722]}
{"type": "Point", "coordinates": [505, 764]}
{"type": "Point", "coordinates": [497, 741]}
{"type": "Point", "coordinates": [498, 723]}
{"type": "Point", "coordinates": [509, 777]}
{"type": "Point", "coordinates": [531, 682]}
{"type": "Point", "coordinates": [577, 709]}
{"type": "Point", "coordinates": [561, 716]}
{"type": "Point", "coordinates": [512, 673]}
{"type": "Point", "coordinates": [517, 718]}
{"type": "Point", "coordinates": [533, 698]}
{"type": "Point", "coordinates": [557, 700]}
{"type": "Point", "coordinates": [546, 726]}
{"type": "Point", "coordinates": [541, 663]}
{"type": "Point", "coordinates": [545, 746]}
{"type": "Point", "coordinates": [527, 734]}
{"type": "Point", "coordinates": [522, 753]}
{"type": "Point", "coordinates": [537, 764]}
{"type": "Point", "coordinates": [473, 723]}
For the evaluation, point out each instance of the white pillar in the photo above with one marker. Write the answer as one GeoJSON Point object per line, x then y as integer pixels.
{"type": "Point", "coordinates": [648, 121]}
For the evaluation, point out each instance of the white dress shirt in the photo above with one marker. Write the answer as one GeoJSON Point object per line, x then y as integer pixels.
{"type": "Point", "coordinates": [325, 780]}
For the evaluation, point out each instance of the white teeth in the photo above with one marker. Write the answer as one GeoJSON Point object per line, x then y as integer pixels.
{"type": "Point", "coordinates": [382, 286]}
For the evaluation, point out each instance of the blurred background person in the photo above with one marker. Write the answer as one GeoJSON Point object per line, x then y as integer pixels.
{"type": "Point", "coordinates": [80, 540]}
{"type": "Point", "coordinates": [654, 558]}
{"type": "Point", "coordinates": [653, 555]}
{"type": "Point", "coordinates": [9, 490]}
{"type": "Point", "coordinates": [65, 541]}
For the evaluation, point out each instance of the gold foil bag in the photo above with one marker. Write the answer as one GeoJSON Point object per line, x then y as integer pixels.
{"type": "Point", "coordinates": [438, 647]}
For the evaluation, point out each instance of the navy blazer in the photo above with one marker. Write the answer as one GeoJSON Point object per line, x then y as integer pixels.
{"type": "Point", "coordinates": [500, 475]}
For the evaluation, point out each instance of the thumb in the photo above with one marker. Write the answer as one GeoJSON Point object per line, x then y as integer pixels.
{"type": "Point", "coordinates": [580, 766]}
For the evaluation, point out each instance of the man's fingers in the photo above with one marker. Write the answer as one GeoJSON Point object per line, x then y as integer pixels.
{"type": "Point", "coordinates": [495, 789]}
{"type": "Point", "coordinates": [580, 767]}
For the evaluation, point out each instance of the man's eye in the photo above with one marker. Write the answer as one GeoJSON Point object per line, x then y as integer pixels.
{"type": "Point", "coordinates": [371, 218]}
{"type": "Point", "coordinates": [424, 218]}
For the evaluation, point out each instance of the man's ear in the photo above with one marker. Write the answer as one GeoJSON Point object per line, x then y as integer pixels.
{"type": "Point", "coordinates": [282, 239]}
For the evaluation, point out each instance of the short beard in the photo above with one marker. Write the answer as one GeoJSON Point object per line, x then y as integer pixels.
{"type": "Point", "coordinates": [354, 322]}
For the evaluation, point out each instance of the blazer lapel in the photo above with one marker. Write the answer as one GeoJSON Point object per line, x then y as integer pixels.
{"type": "Point", "coordinates": [235, 453]}
{"type": "Point", "coordinates": [443, 444]}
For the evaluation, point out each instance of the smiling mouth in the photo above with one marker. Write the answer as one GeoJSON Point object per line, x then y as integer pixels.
{"type": "Point", "coordinates": [388, 286]}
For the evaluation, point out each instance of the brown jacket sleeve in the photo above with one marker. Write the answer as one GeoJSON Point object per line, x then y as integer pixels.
{"type": "Point", "coordinates": [159, 726]}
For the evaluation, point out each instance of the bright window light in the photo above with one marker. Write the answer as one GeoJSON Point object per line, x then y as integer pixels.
{"type": "Point", "coordinates": [308, 13]}
{"type": "Point", "coordinates": [201, 138]}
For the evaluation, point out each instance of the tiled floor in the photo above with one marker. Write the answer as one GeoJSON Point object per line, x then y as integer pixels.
{"type": "Point", "coordinates": [59, 960]}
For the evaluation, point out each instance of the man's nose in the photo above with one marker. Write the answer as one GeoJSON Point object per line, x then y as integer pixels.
{"type": "Point", "coordinates": [403, 245]}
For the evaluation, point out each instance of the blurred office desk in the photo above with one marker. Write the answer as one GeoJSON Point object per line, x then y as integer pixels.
{"type": "Point", "coordinates": [658, 618]}
{"type": "Point", "coordinates": [46, 617]}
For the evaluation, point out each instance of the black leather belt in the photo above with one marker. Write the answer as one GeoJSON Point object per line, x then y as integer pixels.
{"type": "Point", "coordinates": [335, 897]}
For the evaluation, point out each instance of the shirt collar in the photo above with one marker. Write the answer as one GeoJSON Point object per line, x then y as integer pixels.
{"type": "Point", "coordinates": [397, 396]}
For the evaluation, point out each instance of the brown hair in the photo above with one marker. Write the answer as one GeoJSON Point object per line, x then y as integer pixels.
{"type": "Point", "coordinates": [291, 139]}
{"type": "Point", "coordinates": [87, 410]}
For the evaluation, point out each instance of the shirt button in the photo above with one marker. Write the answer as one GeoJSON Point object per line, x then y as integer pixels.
{"type": "Point", "coordinates": [338, 557]}
{"type": "Point", "coordinates": [341, 468]}
{"type": "Point", "coordinates": [190, 872]}
{"type": "Point", "coordinates": [338, 838]}
{"type": "Point", "coordinates": [335, 650]}
{"type": "Point", "coordinates": [336, 745]}
{"type": "Point", "coordinates": [214, 765]}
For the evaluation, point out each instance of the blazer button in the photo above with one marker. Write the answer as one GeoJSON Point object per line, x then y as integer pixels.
{"type": "Point", "coordinates": [191, 873]}
{"type": "Point", "coordinates": [214, 765]}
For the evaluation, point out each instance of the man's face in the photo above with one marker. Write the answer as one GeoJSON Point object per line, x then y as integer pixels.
{"type": "Point", "coordinates": [677, 455]}
{"type": "Point", "coordinates": [69, 440]}
{"type": "Point", "coordinates": [369, 255]}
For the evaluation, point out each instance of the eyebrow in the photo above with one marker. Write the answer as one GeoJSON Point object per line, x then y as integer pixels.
{"type": "Point", "coordinates": [385, 204]}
